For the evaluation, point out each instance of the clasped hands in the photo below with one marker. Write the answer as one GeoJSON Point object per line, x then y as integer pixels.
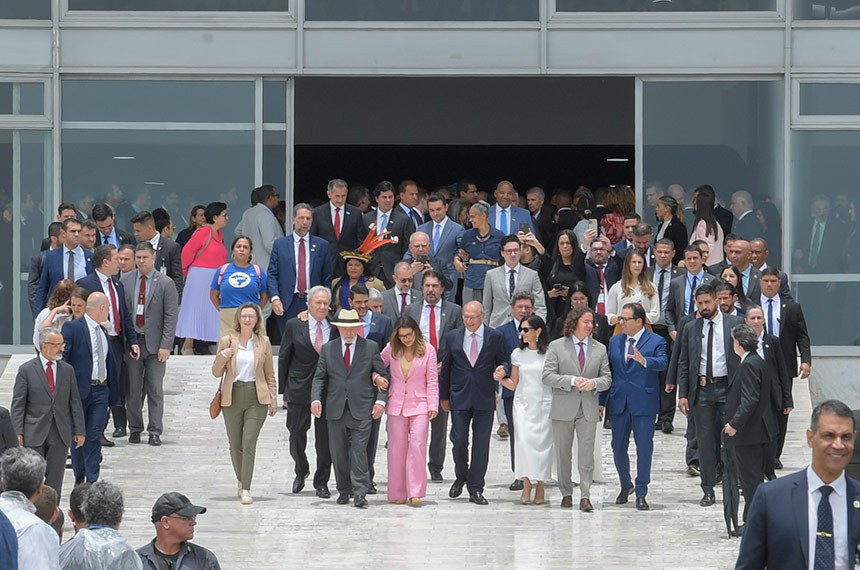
{"type": "Point", "coordinates": [584, 384]}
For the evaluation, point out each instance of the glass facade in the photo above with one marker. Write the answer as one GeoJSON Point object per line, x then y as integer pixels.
{"type": "Point", "coordinates": [830, 98]}
{"type": "Point", "coordinates": [22, 98]}
{"type": "Point", "coordinates": [422, 10]}
{"type": "Point", "coordinates": [181, 5]}
{"type": "Point", "coordinates": [826, 9]}
{"type": "Point", "coordinates": [664, 5]}
{"type": "Point", "coordinates": [25, 10]}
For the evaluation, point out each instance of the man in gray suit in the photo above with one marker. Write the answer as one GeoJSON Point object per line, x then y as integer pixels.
{"type": "Point", "coordinates": [153, 302]}
{"type": "Point", "coordinates": [260, 224]}
{"type": "Point", "coordinates": [397, 298]}
{"type": "Point", "coordinates": [501, 283]}
{"type": "Point", "coordinates": [348, 373]}
{"type": "Point", "coordinates": [444, 233]}
{"type": "Point", "coordinates": [446, 316]}
{"type": "Point", "coordinates": [576, 368]}
{"type": "Point", "coordinates": [46, 407]}
{"type": "Point", "coordinates": [682, 296]}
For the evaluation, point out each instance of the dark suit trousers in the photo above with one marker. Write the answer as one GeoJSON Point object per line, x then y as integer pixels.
{"type": "Point", "coordinates": [667, 400]}
{"type": "Point", "coordinates": [297, 305]}
{"type": "Point", "coordinates": [782, 423]}
{"type": "Point", "coordinates": [119, 388]}
{"type": "Point", "coordinates": [298, 423]}
{"type": "Point", "coordinates": [120, 416]}
{"type": "Point", "coordinates": [86, 460]}
{"type": "Point", "coordinates": [710, 411]}
{"type": "Point", "coordinates": [347, 438]}
{"type": "Point", "coordinates": [372, 444]}
{"type": "Point", "coordinates": [643, 435]}
{"type": "Point", "coordinates": [750, 462]}
{"type": "Point", "coordinates": [145, 380]}
{"type": "Point", "coordinates": [54, 451]}
{"type": "Point", "coordinates": [438, 437]}
{"type": "Point", "coordinates": [509, 413]}
{"type": "Point", "coordinates": [481, 424]}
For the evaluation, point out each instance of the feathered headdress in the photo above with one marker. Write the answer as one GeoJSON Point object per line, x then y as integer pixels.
{"type": "Point", "coordinates": [374, 240]}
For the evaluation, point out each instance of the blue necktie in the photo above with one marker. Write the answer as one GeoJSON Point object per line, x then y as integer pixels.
{"type": "Point", "coordinates": [383, 224]}
{"type": "Point", "coordinates": [825, 553]}
{"type": "Point", "coordinates": [503, 222]}
{"type": "Point", "coordinates": [437, 233]}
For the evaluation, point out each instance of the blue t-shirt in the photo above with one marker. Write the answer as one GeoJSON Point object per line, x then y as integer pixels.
{"type": "Point", "coordinates": [239, 285]}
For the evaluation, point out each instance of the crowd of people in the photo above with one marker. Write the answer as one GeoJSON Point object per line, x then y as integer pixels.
{"type": "Point", "coordinates": [542, 315]}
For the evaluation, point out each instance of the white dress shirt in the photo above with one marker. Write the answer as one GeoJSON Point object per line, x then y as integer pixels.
{"type": "Point", "coordinates": [38, 543]}
{"type": "Point", "coordinates": [245, 371]}
{"type": "Point", "coordinates": [155, 240]}
{"type": "Point", "coordinates": [720, 364]}
{"type": "Point", "coordinates": [296, 244]}
{"type": "Point", "coordinates": [425, 321]}
{"type": "Point", "coordinates": [776, 312]}
{"type": "Point", "coordinates": [760, 349]}
{"type": "Point", "coordinates": [467, 340]}
{"type": "Point", "coordinates": [96, 329]}
{"type": "Point", "coordinates": [839, 508]}
{"type": "Point", "coordinates": [80, 263]}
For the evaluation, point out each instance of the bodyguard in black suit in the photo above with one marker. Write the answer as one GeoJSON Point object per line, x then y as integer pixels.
{"type": "Point", "coordinates": [297, 363]}
{"type": "Point", "coordinates": [386, 218]}
{"type": "Point", "coordinates": [468, 391]}
{"type": "Point", "coordinates": [750, 413]}
{"type": "Point", "coordinates": [344, 237]}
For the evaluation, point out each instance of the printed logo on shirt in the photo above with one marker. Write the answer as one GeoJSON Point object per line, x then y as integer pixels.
{"type": "Point", "coordinates": [239, 280]}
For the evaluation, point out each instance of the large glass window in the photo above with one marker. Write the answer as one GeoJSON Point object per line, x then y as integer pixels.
{"type": "Point", "coordinates": [25, 10]}
{"type": "Point", "coordinates": [22, 98]}
{"type": "Point", "coordinates": [664, 5]}
{"type": "Point", "coordinates": [826, 9]}
{"type": "Point", "coordinates": [830, 98]}
{"type": "Point", "coordinates": [422, 10]}
{"type": "Point", "coordinates": [181, 5]}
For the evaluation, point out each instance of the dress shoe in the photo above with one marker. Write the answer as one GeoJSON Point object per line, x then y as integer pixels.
{"type": "Point", "coordinates": [693, 470]}
{"type": "Point", "coordinates": [436, 476]}
{"type": "Point", "coordinates": [777, 464]}
{"type": "Point", "coordinates": [667, 427]}
{"type": "Point", "coordinates": [478, 498]}
{"type": "Point", "coordinates": [78, 481]}
{"type": "Point", "coordinates": [607, 423]}
{"type": "Point", "coordinates": [503, 431]}
{"type": "Point", "coordinates": [456, 489]}
{"type": "Point", "coordinates": [299, 483]}
{"type": "Point", "coordinates": [719, 478]}
{"type": "Point", "coordinates": [708, 499]}
{"type": "Point", "coordinates": [343, 499]}
{"type": "Point", "coordinates": [360, 501]}
{"type": "Point", "coordinates": [154, 439]}
{"type": "Point", "coordinates": [642, 504]}
{"type": "Point", "coordinates": [567, 502]}
{"type": "Point", "coordinates": [120, 432]}
{"type": "Point", "coordinates": [585, 506]}
{"type": "Point", "coordinates": [323, 493]}
{"type": "Point", "coordinates": [106, 442]}
{"type": "Point", "coordinates": [134, 437]}
{"type": "Point", "coordinates": [372, 489]}
{"type": "Point", "coordinates": [517, 485]}
{"type": "Point", "coordinates": [621, 499]}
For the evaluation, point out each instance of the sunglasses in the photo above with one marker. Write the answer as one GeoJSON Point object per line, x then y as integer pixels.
{"type": "Point", "coordinates": [526, 329]}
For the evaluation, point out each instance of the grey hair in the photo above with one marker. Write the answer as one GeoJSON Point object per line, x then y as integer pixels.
{"type": "Point", "coordinates": [642, 229]}
{"type": "Point", "coordinates": [103, 504]}
{"type": "Point", "coordinates": [746, 337]}
{"type": "Point", "coordinates": [480, 207]}
{"type": "Point", "coordinates": [301, 206]}
{"type": "Point", "coordinates": [45, 334]}
{"type": "Point", "coordinates": [745, 197]}
{"type": "Point", "coordinates": [522, 296]}
{"type": "Point", "coordinates": [536, 190]}
{"type": "Point", "coordinates": [374, 294]}
{"type": "Point", "coordinates": [419, 234]}
{"type": "Point", "coordinates": [402, 265]}
{"type": "Point", "coordinates": [319, 289]}
{"type": "Point", "coordinates": [337, 183]}
{"type": "Point", "coordinates": [144, 246]}
{"type": "Point", "coordinates": [22, 469]}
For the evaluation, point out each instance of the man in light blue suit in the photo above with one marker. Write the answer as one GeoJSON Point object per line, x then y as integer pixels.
{"type": "Point", "coordinates": [636, 358]}
{"type": "Point", "coordinates": [444, 234]}
{"type": "Point", "coordinates": [506, 216]}
{"type": "Point", "coordinates": [299, 261]}
{"type": "Point", "coordinates": [59, 260]}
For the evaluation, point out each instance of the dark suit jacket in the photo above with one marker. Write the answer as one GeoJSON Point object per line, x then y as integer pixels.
{"type": "Point", "coordinates": [749, 406]}
{"type": "Point", "coordinates": [830, 252]}
{"type": "Point", "coordinates": [297, 361]}
{"type": "Point", "coordinates": [677, 232]}
{"type": "Point", "coordinates": [793, 335]}
{"type": "Point", "coordinates": [380, 330]}
{"type": "Point", "coordinates": [672, 371]}
{"type": "Point", "coordinates": [391, 301]}
{"type": "Point", "coordinates": [37, 264]}
{"type": "Point", "coordinates": [52, 273]}
{"type": "Point", "coordinates": [677, 300]}
{"type": "Point", "coordinates": [725, 218]}
{"type": "Point", "coordinates": [8, 437]}
{"type": "Point", "coordinates": [567, 220]}
{"type": "Point", "coordinates": [776, 532]}
{"type": "Point", "coordinates": [452, 317]}
{"type": "Point", "coordinates": [469, 388]}
{"type": "Point", "coordinates": [690, 352]}
{"type": "Point", "coordinates": [323, 227]}
{"type": "Point", "coordinates": [545, 225]}
{"type": "Point", "coordinates": [635, 387]}
{"type": "Point", "coordinates": [748, 227]}
{"type": "Point", "coordinates": [34, 407]}
{"type": "Point", "coordinates": [386, 257]}
{"type": "Point", "coordinates": [282, 267]}
{"type": "Point", "coordinates": [754, 294]}
{"type": "Point", "coordinates": [512, 340]}
{"type": "Point", "coordinates": [333, 385]}
{"type": "Point", "coordinates": [168, 260]}
{"type": "Point", "coordinates": [79, 353]}
{"type": "Point", "coordinates": [122, 236]}
{"type": "Point", "coordinates": [92, 283]}
{"type": "Point", "coordinates": [782, 384]}
{"type": "Point", "coordinates": [611, 273]}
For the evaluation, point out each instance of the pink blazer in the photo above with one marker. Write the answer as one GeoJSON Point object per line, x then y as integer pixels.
{"type": "Point", "coordinates": [416, 394]}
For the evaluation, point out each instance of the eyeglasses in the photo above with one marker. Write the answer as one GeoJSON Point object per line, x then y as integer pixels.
{"type": "Point", "coordinates": [526, 329]}
{"type": "Point", "coordinates": [57, 344]}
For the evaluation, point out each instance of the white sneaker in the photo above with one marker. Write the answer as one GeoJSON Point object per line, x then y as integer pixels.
{"type": "Point", "coordinates": [245, 497]}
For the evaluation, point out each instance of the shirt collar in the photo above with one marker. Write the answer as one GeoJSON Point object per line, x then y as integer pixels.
{"type": "Point", "coordinates": [297, 237]}
{"type": "Point", "coordinates": [442, 223]}
{"type": "Point", "coordinates": [102, 277]}
{"type": "Point", "coordinates": [638, 335]}
{"type": "Point", "coordinates": [44, 360]}
{"type": "Point", "coordinates": [718, 318]}
{"type": "Point", "coordinates": [479, 332]}
{"type": "Point", "coordinates": [698, 276]}
{"type": "Point", "coordinates": [437, 304]}
{"type": "Point", "coordinates": [332, 207]}
{"type": "Point", "coordinates": [155, 239]}
{"type": "Point", "coordinates": [368, 316]}
{"type": "Point", "coordinates": [577, 340]}
{"type": "Point", "coordinates": [91, 323]}
{"type": "Point", "coordinates": [814, 482]}
{"type": "Point", "coordinates": [516, 268]}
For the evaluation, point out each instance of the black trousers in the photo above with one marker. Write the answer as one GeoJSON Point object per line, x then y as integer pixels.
{"type": "Point", "coordinates": [472, 469]}
{"type": "Point", "coordinates": [298, 424]}
{"type": "Point", "coordinates": [710, 407]}
{"type": "Point", "coordinates": [667, 400]}
{"type": "Point", "coordinates": [119, 391]}
{"type": "Point", "coordinates": [750, 462]}
{"type": "Point", "coordinates": [509, 413]}
{"type": "Point", "coordinates": [782, 423]}
{"type": "Point", "coordinates": [438, 442]}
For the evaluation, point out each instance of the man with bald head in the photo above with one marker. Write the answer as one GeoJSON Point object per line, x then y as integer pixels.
{"type": "Point", "coordinates": [401, 295]}
{"type": "Point", "coordinates": [740, 255]}
{"type": "Point", "coordinates": [86, 349]}
{"type": "Point", "coordinates": [746, 223]}
{"type": "Point", "coordinates": [506, 216]}
{"type": "Point", "coordinates": [758, 257]}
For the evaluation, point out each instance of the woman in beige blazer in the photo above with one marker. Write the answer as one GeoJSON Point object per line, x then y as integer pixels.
{"type": "Point", "coordinates": [248, 388]}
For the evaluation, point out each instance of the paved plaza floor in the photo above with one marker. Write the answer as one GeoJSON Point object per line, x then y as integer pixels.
{"type": "Point", "coordinates": [282, 530]}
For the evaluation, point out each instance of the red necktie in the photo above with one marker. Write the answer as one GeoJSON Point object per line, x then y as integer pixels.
{"type": "Point", "coordinates": [346, 358]}
{"type": "Point", "coordinates": [433, 341]}
{"type": "Point", "coordinates": [141, 301]}
{"type": "Point", "coordinates": [303, 263]}
{"type": "Point", "coordinates": [49, 372]}
{"type": "Point", "coordinates": [337, 224]}
{"type": "Point", "coordinates": [318, 341]}
{"type": "Point", "coordinates": [601, 306]}
{"type": "Point", "coordinates": [402, 302]}
{"type": "Point", "coordinates": [581, 356]}
{"type": "Point", "coordinates": [113, 307]}
{"type": "Point", "coordinates": [361, 330]}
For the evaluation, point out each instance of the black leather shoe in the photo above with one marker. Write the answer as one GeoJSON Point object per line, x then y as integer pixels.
{"type": "Point", "coordinates": [667, 428]}
{"type": "Point", "coordinates": [517, 485]}
{"type": "Point", "coordinates": [478, 498]}
{"type": "Point", "coordinates": [777, 464]}
{"type": "Point", "coordinates": [456, 489]}
{"type": "Point", "coordinates": [134, 437]}
{"type": "Point", "coordinates": [120, 432]}
{"type": "Point", "coordinates": [154, 439]}
{"type": "Point", "coordinates": [106, 442]}
{"type": "Point", "coordinates": [642, 504]}
{"type": "Point", "coordinates": [621, 499]}
{"type": "Point", "coordinates": [299, 483]}
{"type": "Point", "coordinates": [343, 499]}
{"type": "Point", "coordinates": [708, 499]}
{"type": "Point", "coordinates": [607, 423]}
{"type": "Point", "coordinates": [372, 489]}
{"type": "Point", "coordinates": [436, 477]}
{"type": "Point", "coordinates": [323, 493]}
{"type": "Point", "coordinates": [360, 501]}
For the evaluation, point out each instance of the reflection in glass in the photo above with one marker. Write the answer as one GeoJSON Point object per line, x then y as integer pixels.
{"type": "Point", "coordinates": [182, 5]}
{"type": "Point", "coordinates": [422, 10]}
{"type": "Point", "coordinates": [827, 9]}
{"type": "Point", "coordinates": [22, 98]}
{"type": "Point", "coordinates": [25, 10]}
{"type": "Point", "coordinates": [275, 101]}
{"type": "Point", "coordinates": [664, 5]}
{"type": "Point", "coordinates": [275, 160]}
{"type": "Point", "coordinates": [830, 98]}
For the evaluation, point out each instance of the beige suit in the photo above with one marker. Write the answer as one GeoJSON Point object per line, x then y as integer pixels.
{"type": "Point", "coordinates": [574, 411]}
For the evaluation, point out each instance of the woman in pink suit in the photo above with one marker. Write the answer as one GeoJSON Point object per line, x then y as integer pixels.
{"type": "Point", "coordinates": [413, 400]}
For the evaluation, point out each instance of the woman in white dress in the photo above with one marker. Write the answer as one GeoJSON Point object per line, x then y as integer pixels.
{"type": "Point", "coordinates": [532, 402]}
{"type": "Point", "coordinates": [634, 287]}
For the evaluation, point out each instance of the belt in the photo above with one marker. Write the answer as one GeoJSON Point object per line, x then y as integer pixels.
{"type": "Point", "coordinates": [704, 380]}
{"type": "Point", "coordinates": [95, 382]}
{"type": "Point", "coordinates": [489, 262]}
{"type": "Point", "coordinates": [301, 295]}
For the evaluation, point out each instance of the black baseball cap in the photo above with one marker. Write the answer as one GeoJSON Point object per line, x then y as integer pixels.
{"type": "Point", "coordinates": [174, 504]}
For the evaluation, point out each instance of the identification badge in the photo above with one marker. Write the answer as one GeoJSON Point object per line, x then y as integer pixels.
{"type": "Point", "coordinates": [163, 270]}
{"type": "Point", "coordinates": [139, 310]}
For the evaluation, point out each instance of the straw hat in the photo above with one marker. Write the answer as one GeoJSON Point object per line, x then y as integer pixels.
{"type": "Point", "coordinates": [347, 318]}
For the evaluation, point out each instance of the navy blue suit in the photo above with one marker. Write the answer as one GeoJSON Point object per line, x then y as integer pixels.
{"type": "Point", "coordinates": [634, 402]}
{"type": "Point", "coordinates": [512, 340]}
{"type": "Point", "coordinates": [282, 273]}
{"type": "Point", "coordinates": [53, 273]}
{"type": "Point", "coordinates": [79, 353]}
{"type": "Point", "coordinates": [776, 531]}
{"type": "Point", "coordinates": [471, 392]}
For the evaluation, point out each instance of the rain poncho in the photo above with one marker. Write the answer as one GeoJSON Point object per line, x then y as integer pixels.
{"type": "Point", "coordinates": [99, 548]}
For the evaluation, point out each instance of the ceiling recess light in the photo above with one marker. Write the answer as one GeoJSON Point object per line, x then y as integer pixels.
{"type": "Point", "coordinates": [154, 183]}
{"type": "Point", "coordinates": [123, 158]}
{"type": "Point", "coordinates": [617, 160]}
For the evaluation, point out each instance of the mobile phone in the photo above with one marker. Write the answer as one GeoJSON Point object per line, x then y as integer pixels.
{"type": "Point", "coordinates": [558, 287]}
{"type": "Point", "coordinates": [592, 225]}
{"type": "Point", "coordinates": [524, 228]}
{"type": "Point", "coordinates": [422, 259]}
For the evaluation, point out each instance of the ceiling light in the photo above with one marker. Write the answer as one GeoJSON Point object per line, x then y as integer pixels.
{"type": "Point", "coordinates": [618, 160]}
{"type": "Point", "coordinates": [154, 183]}
{"type": "Point", "coordinates": [123, 158]}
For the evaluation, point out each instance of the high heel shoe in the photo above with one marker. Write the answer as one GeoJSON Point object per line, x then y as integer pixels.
{"type": "Point", "coordinates": [527, 491]}
{"type": "Point", "coordinates": [539, 493]}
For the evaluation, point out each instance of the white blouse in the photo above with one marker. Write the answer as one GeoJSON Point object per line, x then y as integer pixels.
{"type": "Point", "coordinates": [615, 301]}
{"type": "Point", "coordinates": [245, 363]}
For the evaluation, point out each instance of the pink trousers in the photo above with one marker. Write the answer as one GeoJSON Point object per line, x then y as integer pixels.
{"type": "Point", "coordinates": [407, 456]}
